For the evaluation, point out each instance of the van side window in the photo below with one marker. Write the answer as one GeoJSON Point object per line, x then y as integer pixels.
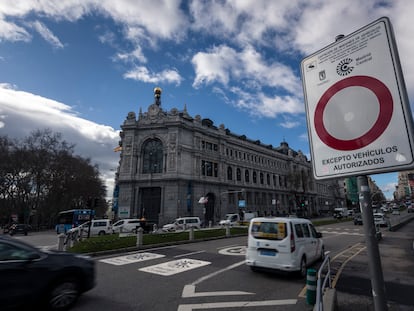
{"type": "Point", "coordinates": [313, 231]}
{"type": "Point", "coordinates": [306, 232]}
{"type": "Point", "coordinates": [298, 230]}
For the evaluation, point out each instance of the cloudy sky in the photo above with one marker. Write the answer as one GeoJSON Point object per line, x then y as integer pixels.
{"type": "Point", "coordinates": [79, 66]}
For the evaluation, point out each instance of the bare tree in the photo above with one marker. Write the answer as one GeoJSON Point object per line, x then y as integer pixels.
{"type": "Point", "coordinates": [41, 176]}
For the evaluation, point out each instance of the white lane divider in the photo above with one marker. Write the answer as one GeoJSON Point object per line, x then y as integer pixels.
{"type": "Point", "coordinates": [236, 304]}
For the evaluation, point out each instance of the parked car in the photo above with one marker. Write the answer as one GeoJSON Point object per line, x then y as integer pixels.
{"type": "Point", "coordinates": [38, 280]}
{"type": "Point", "coordinates": [183, 223]}
{"type": "Point", "coordinates": [410, 209]}
{"type": "Point", "coordinates": [126, 225]}
{"type": "Point", "coordinates": [358, 219]}
{"type": "Point", "coordinates": [395, 210]}
{"type": "Point", "coordinates": [283, 243]}
{"type": "Point", "coordinates": [230, 219]}
{"type": "Point", "coordinates": [18, 229]}
{"type": "Point", "coordinates": [380, 220]}
{"type": "Point", "coordinates": [97, 227]}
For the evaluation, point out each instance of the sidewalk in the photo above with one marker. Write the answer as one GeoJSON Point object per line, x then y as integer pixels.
{"type": "Point", "coordinates": [397, 259]}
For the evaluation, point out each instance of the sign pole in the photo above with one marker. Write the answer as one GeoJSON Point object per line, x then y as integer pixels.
{"type": "Point", "coordinates": [374, 259]}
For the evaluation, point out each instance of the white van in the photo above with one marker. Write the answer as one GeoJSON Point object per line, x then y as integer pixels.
{"type": "Point", "coordinates": [126, 225]}
{"type": "Point", "coordinates": [97, 227]}
{"type": "Point", "coordinates": [183, 223]}
{"type": "Point", "coordinates": [280, 243]}
{"type": "Point", "coordinates": [230, 219]}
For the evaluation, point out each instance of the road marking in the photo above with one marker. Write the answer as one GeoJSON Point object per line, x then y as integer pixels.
{"type": "Point", "coordinates": [338, 273]}
{"type": "Point", "coordinates": [233, 251]}
{"type": "Point", "coordinates": [236, 304]}
{"type": "Point", "coordinates": [342, 233]}
{"type": "Point", "coordinates": [189, 291]}
{"type": "Point", "coordinates": [188, 254]}
{"type": "Point", "coordinates": [208, 276]}
{"type": "Point", "coordinates": [176, 266]}
{"type": "Point", "coordinates": [137, 257]}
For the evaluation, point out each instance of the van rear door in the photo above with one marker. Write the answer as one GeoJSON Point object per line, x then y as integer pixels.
{"type": "Point", "coordinates": [269, 236]}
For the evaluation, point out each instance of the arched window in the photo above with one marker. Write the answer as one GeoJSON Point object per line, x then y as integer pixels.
{"type": "Point", "coordinates": [268, 179]}
{"type": "Point", "coordinates": [238, 174]}
{"type": "Point", "coordinates": [261, 178]}
{"type": "Point", "coordinates": [254, 177]}
{"type": "Point", "coordinates": [152, 156]}
{"type": "Point", "coordinates": [246, 176]}
{"type": "Point", "coordinates": [229, 173]}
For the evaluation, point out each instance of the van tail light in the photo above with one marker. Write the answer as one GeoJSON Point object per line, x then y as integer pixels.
{"type": "Point", "coordinates": [292, 241]}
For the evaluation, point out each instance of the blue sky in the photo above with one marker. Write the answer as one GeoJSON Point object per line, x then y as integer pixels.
{"type": "Point", "coordinates": [78, 67]}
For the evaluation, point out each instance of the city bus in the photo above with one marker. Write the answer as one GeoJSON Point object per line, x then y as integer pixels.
{"type": "Point", "coordinates": [69, 219]}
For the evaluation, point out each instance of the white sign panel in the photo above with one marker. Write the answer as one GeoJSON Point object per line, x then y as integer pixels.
{"type": "Point", "coordinates": [359, 119]}
{"type": "Point", "coordinates": [175, 266]}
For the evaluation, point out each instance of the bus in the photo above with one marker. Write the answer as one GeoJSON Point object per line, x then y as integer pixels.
{"type": "Point", "coordinates": [69, 219]}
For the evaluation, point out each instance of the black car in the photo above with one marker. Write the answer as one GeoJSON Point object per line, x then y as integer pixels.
{"type": "Point", "coordinates": [42, 280]}
{"type": "Point", "coordinates": [18, 228]}
{"type": "Point", "coordinates": [358, 219]}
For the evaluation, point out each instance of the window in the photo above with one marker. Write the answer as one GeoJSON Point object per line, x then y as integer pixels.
{"type": "Point", "coordinates": [269, 230]}
{"type": "Point", "coordinates": [152, 156]}
{"type": "Point", "coordinates": [246, 176]}
{"type": "Point", "coordinates": [268, 179]}
{"type": "Point", "coordinates": [238, 174]}
{"type": "Point", "coordinates": [313, 231]}
{"type": "Point", "coordinates": [209, 168]}
{"type": "Point", "coordinates": [306, 231]}
{"type": "Point", "coordinates": [229, 173]}
{"type": "Point", "coordinates": [298, 230]}
{"type": "Point", "coordinates": [254, 177]}
{"type": "Point", "coordinates": [261, 178]}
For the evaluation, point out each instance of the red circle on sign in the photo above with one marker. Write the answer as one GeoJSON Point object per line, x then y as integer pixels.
{"type": "Point", "coordinates": [384, 117]}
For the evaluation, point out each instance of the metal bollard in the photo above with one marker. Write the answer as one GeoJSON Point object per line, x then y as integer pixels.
{"type": "Point", "coordinates": [311, 287]}
{"type": "Point", "coordinates": [227, 230]}
{"type": "Point", "coordinates": [139, 237]}
{"type": "Point", "coordinates": [191, 233]}
{"type": "Point", "coordinates": [61, 241]}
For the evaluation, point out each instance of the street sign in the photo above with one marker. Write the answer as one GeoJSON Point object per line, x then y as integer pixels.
{"type": "Point", "coordinates": [358, 115]}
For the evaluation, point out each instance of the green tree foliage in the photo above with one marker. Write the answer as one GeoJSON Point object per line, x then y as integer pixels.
{"type": "Point", "coordinates": [40, 176]}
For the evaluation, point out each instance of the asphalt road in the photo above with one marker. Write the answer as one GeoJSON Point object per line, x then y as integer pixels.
{"type": "Point", "coordinates": [212, 275]}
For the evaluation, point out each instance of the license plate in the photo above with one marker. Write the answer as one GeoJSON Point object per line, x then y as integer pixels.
{"type": "Point", "coordinates": [267, 252]}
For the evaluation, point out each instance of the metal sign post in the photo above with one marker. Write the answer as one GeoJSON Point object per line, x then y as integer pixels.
{"type": "Point", "coordinates": [374, 259]}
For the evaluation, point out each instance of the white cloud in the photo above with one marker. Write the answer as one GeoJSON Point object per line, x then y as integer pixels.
{"type": "Point", "coordinates": [22, 113]}
{"type": "Point", "coordinates": [12, 32]}
{"type": "Point", "coordinates": [143, 74]}
{"type": "Point", "coordinates": [289, 124]}
{"type": "Point", "coordinates": [47, 34]}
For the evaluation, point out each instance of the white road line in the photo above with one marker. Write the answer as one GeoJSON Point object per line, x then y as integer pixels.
{"type": "Point", "coordinates": [189, 291]}
{"type": "Point", "coordinates": [236, 304]}
{"type": "Point", "coordinates": [188, 254]}
{"type": "Point", "coordinates": [208, 276]}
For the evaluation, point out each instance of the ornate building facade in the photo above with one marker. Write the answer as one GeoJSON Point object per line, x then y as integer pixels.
{"type": "Point", "coordinates": [174, 165]}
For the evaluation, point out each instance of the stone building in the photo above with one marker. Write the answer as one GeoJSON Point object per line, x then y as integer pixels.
{"type": "Point", "coordinates": [174, 165]}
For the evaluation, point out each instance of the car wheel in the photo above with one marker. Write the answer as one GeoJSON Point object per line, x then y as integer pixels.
{"type": "Point", "coordinates": [302, 271]}
{"type": "Point", "coordinates": [63, 294]}
{"type": "Point", "coordinates": [101, 233]}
